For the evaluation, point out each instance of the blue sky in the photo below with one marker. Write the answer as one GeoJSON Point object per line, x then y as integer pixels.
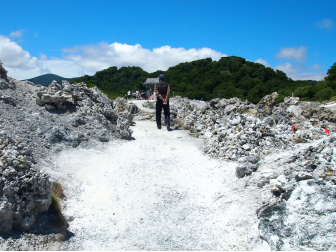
{"type": "Point", "coordinates": [73, 38]}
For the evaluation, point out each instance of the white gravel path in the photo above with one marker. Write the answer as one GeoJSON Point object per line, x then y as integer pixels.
{"type": "Point", "coordinates": [157, 192]}
{"type": "Point", "coordinates": [331, 106]}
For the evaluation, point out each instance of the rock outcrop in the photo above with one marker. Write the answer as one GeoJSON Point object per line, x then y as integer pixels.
{"type": "Point", "coordinates": [286, 149]}
{"type": "Point", "coordinates": [37, 122]}
{"type": "Point", "coordinates": [3, 78]}
{"type": "Point", "coordinates": [233, 129]}
{"type": "Point", "coordinates": [24, 191]}
{"type": "Point", "coordinates": [89, 105]}
{"type": "Point", "coordinates": [300, 207]}
{"type": "Point", "coordinates": [3, 72]}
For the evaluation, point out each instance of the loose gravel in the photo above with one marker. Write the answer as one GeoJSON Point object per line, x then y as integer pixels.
{"type": "Point", "coordinates": [155, 192]}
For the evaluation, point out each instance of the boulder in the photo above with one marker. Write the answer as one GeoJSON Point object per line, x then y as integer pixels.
{"type": "Point", "coordinates": [294, 110]}
{"type": "Point", "coordinates": [3, 72]}
{"type": "Point", "coordinates": [266, 105]}
{"type": "Point", "coordinates": [291, 100]}
{"type": "Point", "coordinates": [246, 166]}
{"type": "Point", "coordinates": [7, 98]}
{"type": "Point", "coordinates": [302, 219]}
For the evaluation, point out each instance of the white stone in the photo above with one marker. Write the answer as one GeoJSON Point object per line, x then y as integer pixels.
{"type": "Point", "coordinates": [295, 110]}
{"type": "Point", "coordinates": [246, 147]}
{"type": "Point", "coordinates": [207, 135]}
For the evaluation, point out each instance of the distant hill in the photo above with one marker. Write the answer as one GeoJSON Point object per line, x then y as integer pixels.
{"type": "Point", "coordinates": [46, 79]}
{"type": "Point", "coordinates": [206, 79]}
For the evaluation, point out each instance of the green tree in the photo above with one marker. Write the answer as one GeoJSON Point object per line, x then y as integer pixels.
{"type": "Point", "coordinates": [306, 91]}
{"type": "Point", "coordinates": [324, 94]}
{"type": "Point", "coordinates": [331, 76]}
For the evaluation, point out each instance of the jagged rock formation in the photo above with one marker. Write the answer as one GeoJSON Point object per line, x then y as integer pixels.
{"type": "Point", "coordinates": [24, 191]}
{"type": "Point", "coordinates": [300, 212]}
{"type": "Point", "coordinates": [36, 122]}
{"type": "Point", "coordinates": [4, 82]}
{"type": "Point", "coordinates": [89, 103]}
{"type": "Point", "coordinates": [282, 149]}
{"type": "Point", "coordinates": [298, 180]}
{"type": "Point", "coordinates": [301, 219]}
{"type": "Point", "coordinates": [233, 128]}
{"type": "Point", "coordinates": [3, 72]}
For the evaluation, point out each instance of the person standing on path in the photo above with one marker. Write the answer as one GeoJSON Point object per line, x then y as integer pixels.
{"type": "Point", "coordinates": [162, 91]}
{"type": "Point", "coordinates": [129, 94]}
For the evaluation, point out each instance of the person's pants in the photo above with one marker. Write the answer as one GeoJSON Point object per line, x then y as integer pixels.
{"type": "Point", "coordinates": [159, 106]}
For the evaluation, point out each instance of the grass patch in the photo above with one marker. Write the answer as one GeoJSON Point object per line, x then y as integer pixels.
{"type": "Point", "coordinates": [330, 100]}
{"type": "Point", "coordinates": [90, 85]}
{"type": "Point", "coordinates": [299, 140]}
{"type": "Point", "coordinates": [151, 105]}
{"type": "Point", "coordinates": [57, 193]}
{"type": "Point", "coordinates": [57, 190]}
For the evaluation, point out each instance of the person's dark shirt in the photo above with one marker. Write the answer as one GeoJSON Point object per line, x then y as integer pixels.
{"type": "Point", "coordinates": [162, 90]}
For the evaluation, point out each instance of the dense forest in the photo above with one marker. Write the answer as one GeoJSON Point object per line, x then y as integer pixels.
{"type": "Point", "coordinates": [206, 79]}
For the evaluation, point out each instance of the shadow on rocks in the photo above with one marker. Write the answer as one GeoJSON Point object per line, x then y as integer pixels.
{"type": "Point", "coordinates": [48, 226]}
{"type": "Point", "coordinates": [68, 107]}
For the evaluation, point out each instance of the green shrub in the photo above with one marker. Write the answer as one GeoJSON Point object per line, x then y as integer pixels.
{"type": "Point", "coordinates": [59, 221]}
{"type": "Point", "coordinates": [324, 94]}
{"type": "Point", "coordinates": [57, 190]}
{"type": "Point", "coordinates": [90, 85]}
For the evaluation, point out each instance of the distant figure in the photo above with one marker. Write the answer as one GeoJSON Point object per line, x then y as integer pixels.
{"type": "Point", "coordinates": [162, 91]}
{"type": "Point", "coordinates": [129, 94]}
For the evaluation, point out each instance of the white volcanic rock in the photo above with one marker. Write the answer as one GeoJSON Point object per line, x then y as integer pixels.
{"type": "Point", "coordinates": [285, 164]}
{"type": "Point", "coordinates": [36, 122]}
{"type": "Point", "coordinates": [24, 191]}
{"type": "Point", "coordinates": [282, 149]}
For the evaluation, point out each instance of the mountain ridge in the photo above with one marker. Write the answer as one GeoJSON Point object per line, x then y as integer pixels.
{"type": "Point", "coordinates": [46, 79]}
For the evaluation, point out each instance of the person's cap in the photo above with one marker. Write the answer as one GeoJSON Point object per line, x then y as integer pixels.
{"type": "Point", "coordinates": [161, 76]}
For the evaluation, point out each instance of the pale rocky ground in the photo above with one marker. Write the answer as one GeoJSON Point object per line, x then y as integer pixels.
{"type": "Point", "coordinates": [330, 105]}
{"type": "Point", "coordinates": [244, 181]}
{"type": "Point", "coordinates": [156, 192]}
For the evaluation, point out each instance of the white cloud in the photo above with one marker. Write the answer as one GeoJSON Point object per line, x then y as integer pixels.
{"type": "Point", "coordinates": [65, 68]}
{"type": "Point", "coordinates": [326, 23]}
{"type": "Point", "coordinates": [294, 54]}
{"type": "Point", "coordinates": [299, 72]}
{"type": "Point", "coordinates": [43, 56]}
{"type": "Point", "coordinates": [263, 62]}
{"type": "Point", "coordinates": [80, 60]}
{"type": "Point", "coordinates": [61, 67]}
{"type": "Point", "coordinates": [12, 55]}
{"type": "Point", "coordinates": [17, 34]}
{"type": "Point", "coordinates": [21, 65]}
{"type": "Point", "coordinates": [104, 55]}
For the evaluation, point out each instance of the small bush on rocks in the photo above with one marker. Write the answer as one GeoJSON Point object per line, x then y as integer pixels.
{"type": "Point", "coordinates": [56, 193]}
{"type": "Point", "coordinates": [299, 140]}
{"type": "Point", "coordinates": [57, 190]}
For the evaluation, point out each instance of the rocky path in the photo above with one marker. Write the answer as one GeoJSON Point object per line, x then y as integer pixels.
{"type": "Point", "coordinates": [155, 192]}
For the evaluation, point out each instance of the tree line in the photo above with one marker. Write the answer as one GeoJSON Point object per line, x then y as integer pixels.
{"type": "Point", "coordinates": [207, 79]}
